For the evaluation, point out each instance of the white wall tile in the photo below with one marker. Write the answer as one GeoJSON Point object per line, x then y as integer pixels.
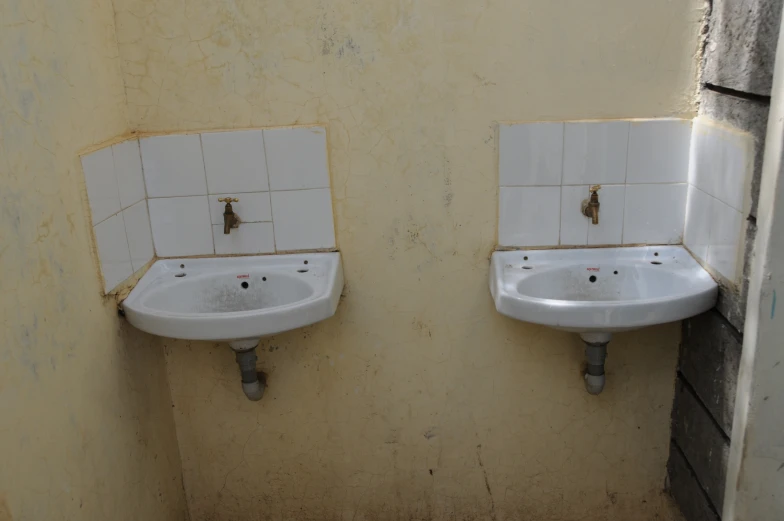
{"type": "Point", "coordinates": [726, 226]}
{"type": "Point", "coordinates": [102, 190]}
{"type": "Point", "coordinates": [303, 219]}
{"type": "Point", "coordinates": [249, 238]}
{"type": "Point", "coordinates": [173, 166]}
{"type": "Point", "coordinates": [113, 251]}
{"type": "Point", "coordinates": [612, 200]}
{"type": "Point", "coordinates": [297, 158]}
{"type": "Point", "coordinates": [654, 214]}
{"type": "Point", "coordinates": [574, 225]}
{"type": "Point", "coordinates": [128, 168]}
{"type": "Point", "coordinates": [181, 226]}
{"type": "Point", "coordinates": [696, 235]}
{"type": "Point", "coordinates": [254, 207]}
{"type": "Point", "coordinates": [658, 151]}
{"type": "Point", "coordinates": [139, 233]}
{"type": "Point", "coordinates": [595, 152]}
{"type": "Point", "coordinates": [235, 161]}
{"type": "Point", "coordinates": [529, 216]}
{"type": "Point", "coordinates": [721, 162]}
{"type": "Point", "coordinates": [530, 154]}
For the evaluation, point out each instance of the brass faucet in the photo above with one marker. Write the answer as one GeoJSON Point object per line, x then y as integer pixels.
{"type": "Point", "coordinates": [230, 219]}
{"type": "Point", "coordinates": [591, 205]}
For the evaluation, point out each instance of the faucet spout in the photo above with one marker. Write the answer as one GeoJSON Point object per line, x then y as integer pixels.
{"type": "Point", "coordinates": [591, 205]}
{"type": "Point", "coordinates": [594, 213]}
{"type": "Point", "coordinates": [230, 219]}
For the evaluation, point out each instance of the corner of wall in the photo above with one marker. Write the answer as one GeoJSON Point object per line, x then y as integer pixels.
{"type": "Point", "coordinates": [735, 77]}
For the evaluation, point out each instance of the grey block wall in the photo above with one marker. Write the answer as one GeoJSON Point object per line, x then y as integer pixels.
{"type": "Point", "coordinates": [741, 44]}
{"type": "Point", "coordinates": [735, 89]}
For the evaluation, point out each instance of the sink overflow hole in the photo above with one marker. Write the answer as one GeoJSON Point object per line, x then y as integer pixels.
{"type": "Point", "coordinates": [264, 279]}
{"type": "Point", "coordinates": [656, 254]}
{"type": "Point", "coordinates": [615, 273]}
{"type": "Point", "coordinates": [180, 275]}
{"type": "Point", "coordinates": [592, 278]}
{"type": "Point", "coordinates": [525, 258]}
{"type": "Point", "coordinates": [244, 285]}
{"type": "Point", "coordinates": [182, 265]}
{"type": "Point", "coordinates": [655, 262]}
{"type": "Point", "coordinates": [306, 262]}
{"type": "Point", "coordinates": [302, 271]}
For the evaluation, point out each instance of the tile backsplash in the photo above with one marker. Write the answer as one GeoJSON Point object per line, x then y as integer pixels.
{"type": "Point", "coordinates": [719, 172]}
{"type": "Point", "coordinates": [664, 181]}
{"type": "Point", "coordinates": [159, 195]}
{"type": "Point", "coordinates": [545, 170]}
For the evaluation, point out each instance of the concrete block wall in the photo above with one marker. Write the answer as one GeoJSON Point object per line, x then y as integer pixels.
{"type": "Point", "coordinates": [735, 89]}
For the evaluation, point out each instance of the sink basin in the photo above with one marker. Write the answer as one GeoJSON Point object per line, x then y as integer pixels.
{"type": "Point", "coordinates": [600, 289]}
{"type": "Point", "coordinates": [235, 299]}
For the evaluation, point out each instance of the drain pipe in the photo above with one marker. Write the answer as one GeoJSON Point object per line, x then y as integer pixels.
{"type": "Point", "coordinates": [252, 385]}
{"type": "Point", "coordinates": [595, 356]}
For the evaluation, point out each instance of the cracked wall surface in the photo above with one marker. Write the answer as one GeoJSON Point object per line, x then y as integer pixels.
{"type": "Point", "coordinates": [86, 431]}
{"type": "Point", "coordinates": [417, 399]}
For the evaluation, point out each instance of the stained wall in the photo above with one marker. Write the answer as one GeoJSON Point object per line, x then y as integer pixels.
{"type": "Point", "coordinates": [417, 399]}
{"type": "Point", "coordinates": [86, 430]}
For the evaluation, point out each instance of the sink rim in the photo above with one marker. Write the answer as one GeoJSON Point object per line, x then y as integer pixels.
{"type": "Point", "coordinates": [237, 325]}
{"type": "Point", "coordinates": [313, 296]}
{"type": "Point", "coordinates": [596, 315]}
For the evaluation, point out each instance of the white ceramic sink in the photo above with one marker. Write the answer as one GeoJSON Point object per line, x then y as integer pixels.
{"type": "Point", "coordinates": [600, 289]}
{"type": "Point", "coordinates": [235, 299]}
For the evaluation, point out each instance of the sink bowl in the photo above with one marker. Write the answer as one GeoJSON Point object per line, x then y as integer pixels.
{"type": "Point", "coordinates": [235, 299]}
{"type": "Point", "coordinates": [600, 289]}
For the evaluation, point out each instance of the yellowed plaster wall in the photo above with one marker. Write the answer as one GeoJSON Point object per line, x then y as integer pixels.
{"type": "Point", "coordinates": [86, 431]}
{"type": "Point", "coordinates": [417, 401]}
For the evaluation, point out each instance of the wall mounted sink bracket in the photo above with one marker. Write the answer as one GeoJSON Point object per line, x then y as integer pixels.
{"type": "Point", "coordinates": [598, 291]}
{"type": "Point", "coordinates": [237, 300]}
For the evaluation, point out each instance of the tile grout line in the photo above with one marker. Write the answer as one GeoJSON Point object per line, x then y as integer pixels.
{"type": "Point", "coordinates": [626, 183]}
{"type": "Point", "coordinates": [535, 186]}
{"type": "Point", "coordinates": [207, 189]}
{"type": "Point", "coordinates": [269, 192]}
{"type": "Point", "coordinates": [127, 245]}
{"type": "Point", "coordinates": [560, 182]}
{"type": "Point", "coordinates": [260, 192]}
{"type": "Point", "coordinates": [146, 197]}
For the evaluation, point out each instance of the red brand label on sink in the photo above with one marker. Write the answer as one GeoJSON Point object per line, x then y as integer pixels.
{"type": "Point", "coordinates": [246, 276]}
{"type": "Point", "coordinates": [593, 269]}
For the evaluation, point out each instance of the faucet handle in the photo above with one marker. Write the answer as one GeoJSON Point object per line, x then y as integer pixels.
{"type": "Point", "coordinates": [594, 188]}
{"type": "Point", "coordinates": [228, 199]}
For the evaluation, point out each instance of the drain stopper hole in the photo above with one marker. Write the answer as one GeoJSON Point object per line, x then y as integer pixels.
{"type": "Point", "coordinates": [528, 267]}
{"type": "Point", "coordinates": [302, 271]}
{"type": "Point", "coordinates": [592, 278]}
{"type": "Point", "coordinates": [655, 262]}
{"type": "Point", "coordinates": [180, 275]}
{"type": "Point", "coordinates": [244, 285]}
